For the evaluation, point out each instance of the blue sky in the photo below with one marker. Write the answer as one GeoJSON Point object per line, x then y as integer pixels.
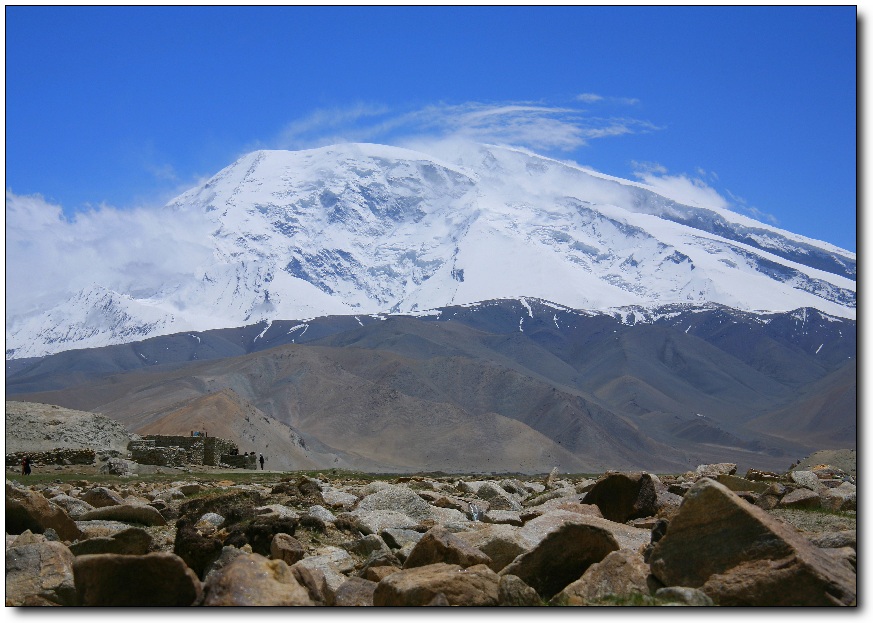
{"type": "Point", "coordinates": [128, 106]}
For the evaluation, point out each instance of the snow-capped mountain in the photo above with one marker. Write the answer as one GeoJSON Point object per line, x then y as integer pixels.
{"type": "Point", "coordinates": [362, 229]}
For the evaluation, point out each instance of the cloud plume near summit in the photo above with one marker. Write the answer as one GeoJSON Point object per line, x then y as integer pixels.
{"type": "Point", "coordinates": [50, 256]}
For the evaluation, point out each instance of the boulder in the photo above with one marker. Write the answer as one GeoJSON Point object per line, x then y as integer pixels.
{"type": "Point", "coordinates": [397, 498]}
{"type": "Point", "coordinates": [355, 592]}
{"type": "Point", "coordinates": [42, 570]}
{"type": "Point", "coordinates": [513, 518]}
{"type": "Point", "coordinates": [253, 580]}
{"type": "Point", "coordinates": [714, 470]}
{"type": "Point", "coordinates": [735, 483]}
{"type": "Point", "coordinates": [840, 498]}
{"type": "Point", "coordinates": [440, 545]}
{"type": "Point", "coordinates": [684, 595]}
{"type": "Point", "coordinates": [801, 498]}
{"type": "Point", "coordinates": [26, 510]}
{"type": "Point", "coordinates": [74, 507]}
{"type": "Point", "coordinates": [621, 572]}
{"type": "Point", "coordinates": [131, 542]}
{"type": "Point", "coordinates": [500, 542]}
{"type": "Point", "coordinates": [623, 496]}
{"type": "Point", "coordinates": [145, 515]}
{"type": "Point", "coordinates": [322, 513]}
{"type": "Point", "coordinates": [259, 532]}
{"type": "Point", "coordinates": [562, 557]}
{"type": "Point", "coordinates": [366, 545]}
{"type": "Point", "coordinates": [627, 537]}
{"type": "Point", "coordinates": [739, 555]}
{"type": "Point", "coordinates": [512, 591]}
{"type": "Point", "coordinates": [156, 579]}
{"type": "Point", "coordinates": [376, 521]}
{"type": "Point", "coordinates": [98, 497]}
{"type": "Point", "coordinates": [285, 547]}
{"type": "Point", "coordinates": [118, 467]}
{"type": "Point", "coordinates": [198, 551]}
{"type": "Point", "coordinates": [314, 582]}
{"type": "Point", "coordinates": [834, 540]}
{"type": "Point", "coordinates": [396, 538]}
{"type": "Point", "coordinates": [497, 497]}
{"type": "Point", "coordinates": [338, 499]}
{"type": "Point", "coordinates": [420, 586]}
{"type": "Point", "coordinates": [806, 479]}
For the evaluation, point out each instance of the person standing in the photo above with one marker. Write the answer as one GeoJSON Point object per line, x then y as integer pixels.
{"type": "Point", "coordinates": [261, 461]}
{"type": "Point", "coordinates": [25, 466]}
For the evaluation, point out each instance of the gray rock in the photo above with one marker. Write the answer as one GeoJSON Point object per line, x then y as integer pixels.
{"type": "Point", "coordinates": [75, 507]}
{"type": "Point", "coordinates": [322, 513]}
{"type": "Point", "coordinates": [807, 480]}
{"type": "Point", "coordinates": [397, 498]}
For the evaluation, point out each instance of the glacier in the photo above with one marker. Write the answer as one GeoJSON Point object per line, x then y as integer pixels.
{"type": "Point", "coordinates": [365, 229]}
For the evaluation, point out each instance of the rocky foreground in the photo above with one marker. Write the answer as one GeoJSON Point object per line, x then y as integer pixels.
{"type": "Point", "coordinates": [707, 537]}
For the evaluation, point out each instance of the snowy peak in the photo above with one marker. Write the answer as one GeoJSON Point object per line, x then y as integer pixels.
{"type": "Point", "coordinates": [364, 229]}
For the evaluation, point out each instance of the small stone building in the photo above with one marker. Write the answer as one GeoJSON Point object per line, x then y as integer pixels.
{"type": "Point", "coordinates": [179, 450]}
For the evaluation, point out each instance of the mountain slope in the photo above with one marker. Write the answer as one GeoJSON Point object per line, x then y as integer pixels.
{"type": "Point", "coordinates": [506, 385]}
{"type": "Point", "coordinates": [364, 229]}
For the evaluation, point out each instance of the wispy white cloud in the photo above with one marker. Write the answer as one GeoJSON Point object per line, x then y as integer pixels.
{"type": "Point", "coordinates": [589, 98]}
{"type": "Point", "coordinates": [594, 98]}
{"type": "Point", "coordinates": [50, 256]}
{"type": "Point", "coordinates": [522, 124]}
{"type": "Point", "coordinates": [683, 188]}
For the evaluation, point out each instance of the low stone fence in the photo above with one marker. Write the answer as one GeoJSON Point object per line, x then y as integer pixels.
{"type": "Point", "coordinates": [152, 455]}
{"type": "Point", "coordinates": [58, 456]}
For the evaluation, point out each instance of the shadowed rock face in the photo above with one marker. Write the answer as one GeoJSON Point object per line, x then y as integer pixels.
{"type": "Point", "coordinates": [156, 579]}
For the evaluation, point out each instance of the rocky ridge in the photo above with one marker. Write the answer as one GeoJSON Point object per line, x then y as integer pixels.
{"type": "Point", "coordinates": [706, 537]}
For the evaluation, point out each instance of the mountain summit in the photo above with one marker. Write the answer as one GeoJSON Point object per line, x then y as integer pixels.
{"type": "Point", "coordinates": [366, 229]}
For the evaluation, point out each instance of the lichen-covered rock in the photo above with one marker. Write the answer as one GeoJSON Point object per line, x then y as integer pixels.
{"type": "Point", "coordinates": [40, 569]}
{"type": "Point", "coordinates": [739, 555]}
{"type": "Point", "coordinates": [253, 580]}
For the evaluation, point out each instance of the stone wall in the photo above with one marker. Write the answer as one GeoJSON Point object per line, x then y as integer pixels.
{"type": "Point", "coordinates": [168, 457]}
{"type": "Point", "coordinates": [240, 461]}
{"type": "Point", "coordinates": [177, 450]}
{"type": "Point", "coordinates": [214, 448]}
{"type": "Point", "coordinates": [58, 456]}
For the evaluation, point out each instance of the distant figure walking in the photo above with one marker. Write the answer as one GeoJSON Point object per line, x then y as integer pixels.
{"type": "Point", "coordinates": [25, 466]}
{"type": "Point", "coordinates": [261, 461]}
